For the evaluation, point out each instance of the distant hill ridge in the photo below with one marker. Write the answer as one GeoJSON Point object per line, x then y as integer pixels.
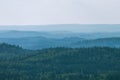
{"type": "Point", "coordinates": [70, 42]}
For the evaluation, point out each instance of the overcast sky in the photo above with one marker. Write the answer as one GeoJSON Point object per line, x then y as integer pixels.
{"type": "Point", "coordinates": [42, 12]}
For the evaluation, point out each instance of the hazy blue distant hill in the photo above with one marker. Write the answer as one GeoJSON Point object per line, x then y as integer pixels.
{"type": "Point", "coordinates": [42, 42]}
{"type": "Point", "coordinates": [39, 40]}
{"type": "Point", "coordinates": [82, 28]}
{"type": "Point", "coordinates": [57, 34]}
{"type": "Point", "coordinates": [21, 34]}
{"type": "Point", "coordinates": [101, 42]}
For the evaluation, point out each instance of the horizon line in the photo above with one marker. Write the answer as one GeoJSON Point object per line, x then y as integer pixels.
{"type": "Point", "coordinates": [52, 24]}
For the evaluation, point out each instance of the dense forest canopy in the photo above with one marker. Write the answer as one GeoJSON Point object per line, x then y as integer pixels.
{"type": "Point", "coordinates": [95, 63]}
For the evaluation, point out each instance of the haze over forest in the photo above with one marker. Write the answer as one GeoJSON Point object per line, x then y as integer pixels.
{"type": "Point", "coordinates": [59, 40]}
{"type": "Point", "coordinates": [81, 28]}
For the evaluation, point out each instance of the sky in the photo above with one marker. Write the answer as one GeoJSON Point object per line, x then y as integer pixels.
{"type": "Point", "coordinates": [46, 12]}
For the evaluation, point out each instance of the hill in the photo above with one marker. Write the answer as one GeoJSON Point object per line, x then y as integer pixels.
{"type": "Point", "coordinates": [94, 63]}
{"type": "Point", "coordinates": [57, 34]}
{"type": "Point", "coordinates": [102, 42]}
{"type": "Point", "coordinates": [41, 42]}
{"type": "Point", "coordinates": [68, 42]}
{"type": "Point", "coordinates": [8, 51]}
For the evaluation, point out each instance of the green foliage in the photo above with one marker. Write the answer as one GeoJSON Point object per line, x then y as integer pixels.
{"type": "Point", "coordinates": [97, 63]}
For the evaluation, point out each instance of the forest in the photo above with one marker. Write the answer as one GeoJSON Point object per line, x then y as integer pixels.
{"type": "Point", "coordinates": [94, 63]}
